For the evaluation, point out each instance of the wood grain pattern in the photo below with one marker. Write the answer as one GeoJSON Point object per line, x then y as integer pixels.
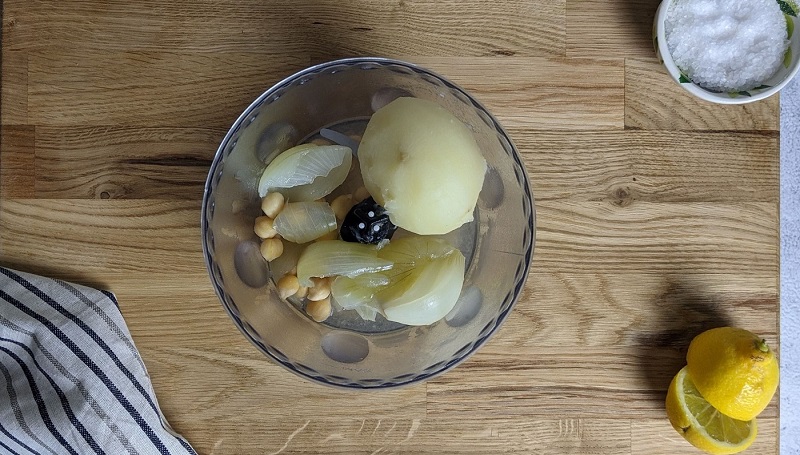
{"type": "Point", "coordinates": [542, 93]}
{"type": "Point", "coordinates": [239, 388]}
{"type": "Point", "coordinates": [657, 237]}
{"type": "Point", "coordinates": [186, 25]}
{"type": "Point", "coordinates": [657, 213]}
{"type": "Point", "coordinates": [373, 436]}
{"type": "Point", "coordinates": [428, 27]}
{"type": "Point", "coordinates": [611, 28]}
{"type": "Point", "coordinates": [552, 381]}
{"type": "Point", "coordinates": [116, 162]}
{"type": "Point", "coordinates": [662, 166]}
{"type": "Point", "coordinates": [654, 101]}
{"type": "Point", "coordinates": [437, 27]}
{"type": "Point", "coordinates": [124, 162]}
{"type": "Point", "coordinates": [651, 438]}
{"type": "Point", "coordinates": [561, 94]}
{"type": "Point", "coordinates": [657, 311]}
{"type": "Point", "coordinates": [149, 89]}
{"type": "Point", "coordinates": [412, 436]}
{"type": "Point", "coordinates": [17, 169]}
{"type": "Point", "coordinates": [137, 237]}
{"type": "Point", "coordinates": [14, 88]}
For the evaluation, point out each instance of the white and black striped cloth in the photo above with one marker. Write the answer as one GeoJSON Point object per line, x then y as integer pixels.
{"type": "Point", "coordinates": [71, 380]}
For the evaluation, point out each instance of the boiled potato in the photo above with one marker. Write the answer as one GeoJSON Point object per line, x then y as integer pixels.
{"type": "Point", "coordinates": [423, 165]}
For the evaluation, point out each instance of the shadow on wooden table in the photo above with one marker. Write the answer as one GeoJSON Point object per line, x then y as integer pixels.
{"type": "Point", "coordinates": [640, 14]}
{"type": "Point", "coordinates": [681, 313]}
{"type": "Point", "coordinates": [72, 276]}
{"type": "Point", "coordinates": [346, 31]}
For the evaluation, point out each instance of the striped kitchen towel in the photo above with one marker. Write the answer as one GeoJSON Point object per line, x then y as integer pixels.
{"type": "Point", "coordinates": [71, 380]}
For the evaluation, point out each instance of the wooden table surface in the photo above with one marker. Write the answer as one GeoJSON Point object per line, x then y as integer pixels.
{"type": "Point", "coordinates": [657, 213]}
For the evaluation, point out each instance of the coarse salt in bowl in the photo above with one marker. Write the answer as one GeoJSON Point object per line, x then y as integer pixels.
{"type": "Point", "coordinates": [733, 48]}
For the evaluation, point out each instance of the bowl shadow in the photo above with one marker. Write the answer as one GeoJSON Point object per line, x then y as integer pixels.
{"type": "Point", "coordinates": [639, 14]}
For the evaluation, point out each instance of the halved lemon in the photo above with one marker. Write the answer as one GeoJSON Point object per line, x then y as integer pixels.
{"type": "Point", "coordinates": [735, 371]}
{"type": "Point", "coordinates": [701, 424]}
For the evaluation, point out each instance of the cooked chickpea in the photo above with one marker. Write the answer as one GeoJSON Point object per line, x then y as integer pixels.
{"type": "Point", "coordinates": [361, 194]}
{"type": "Point", "coordinates": [288, 286]}
{"type": "Point", "coordinates": [320, 290]}
{"type": "Point", "coordinates": [341, 205]}
{"type": "Point", "coordinates": [271, 249]}
{"type": "Point", "coordinates": [272, 204]}
{"type": "Point", "coordinates": [302, 292]}
{"type": "Point", "coordinates": [265, 227]}
{"type": "Point", "coordinates": [319, 310]}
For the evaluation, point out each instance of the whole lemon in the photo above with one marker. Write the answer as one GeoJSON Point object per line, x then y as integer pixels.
{"type": "Point", "coordinates": [734, 370]}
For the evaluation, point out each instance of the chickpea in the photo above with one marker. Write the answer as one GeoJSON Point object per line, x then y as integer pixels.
{"type": "Point", "coordinates": [320, 290]}
{"type": "Point", "coordinates": [302, 292]}
{"type": "Point", "coordinates": [360, 194]}
{"type": "Point", "coordinates": [271, 249]}
{"type": "Point", "coordinates": [272, 204]}
{"type": "Point", "coordinates": [341, 205]}
{"type": "Point", "coordinates": [288, 286]}
{"type": "Point", "coordinates": [319, 310]}
{"type": "Point", "coordinates": [265, 227]}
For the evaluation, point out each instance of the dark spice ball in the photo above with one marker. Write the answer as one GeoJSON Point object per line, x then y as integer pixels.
{"type": "Point", "coordinates": [367, 222]}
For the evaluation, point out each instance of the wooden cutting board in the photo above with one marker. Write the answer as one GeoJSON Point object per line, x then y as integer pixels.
{"type": "Point", "coordinates": [657, 213]}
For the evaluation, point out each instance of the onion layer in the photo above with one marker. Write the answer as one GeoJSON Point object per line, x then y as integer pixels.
{"type": "Point", "coordinates": [302, 222]}
{"type": "Point", "coordinates": [307, 172]}
{"type": "Point", "coordinates": [336, 257]}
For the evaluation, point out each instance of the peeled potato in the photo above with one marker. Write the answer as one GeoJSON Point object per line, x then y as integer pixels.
{"type": "Point", "coordinates": [423, 165]}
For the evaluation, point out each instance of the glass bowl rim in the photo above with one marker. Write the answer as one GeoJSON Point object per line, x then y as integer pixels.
{"type": "Point", "coordinates": [412, 377]}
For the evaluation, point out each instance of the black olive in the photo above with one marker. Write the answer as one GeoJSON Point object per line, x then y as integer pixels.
{"type": "Point", "coordinates": [367, 222]}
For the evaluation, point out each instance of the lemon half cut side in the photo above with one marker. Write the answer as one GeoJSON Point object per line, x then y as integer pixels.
{"type": "Point", "coordinates": [701, 424]}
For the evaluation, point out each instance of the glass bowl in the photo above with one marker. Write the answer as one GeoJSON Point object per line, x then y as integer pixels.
{"type": "Point", "coordinates": [498, 245]}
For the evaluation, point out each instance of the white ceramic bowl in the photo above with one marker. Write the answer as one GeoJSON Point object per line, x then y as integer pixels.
{"type": "Point", "coordinates": [768, 88]}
